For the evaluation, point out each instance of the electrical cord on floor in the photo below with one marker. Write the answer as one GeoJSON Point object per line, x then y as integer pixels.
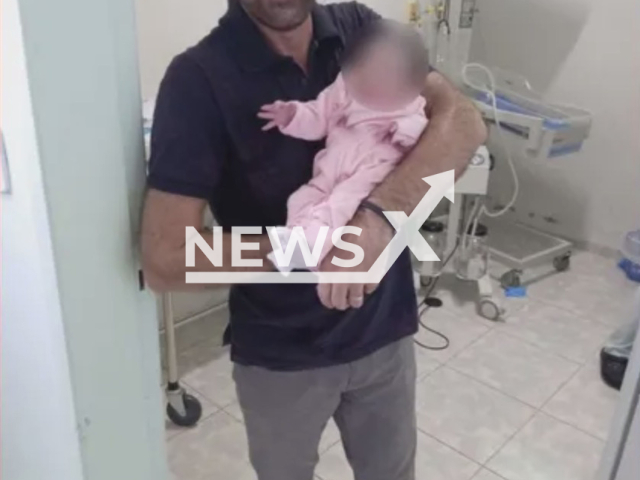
{"type": "Point", "coordinates": [428, 301]}
{"type": "Point", "coordinates": [434, 332]}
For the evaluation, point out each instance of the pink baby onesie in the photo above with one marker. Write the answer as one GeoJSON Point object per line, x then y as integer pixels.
{"type": "Point", "coordinates": [362, 147]}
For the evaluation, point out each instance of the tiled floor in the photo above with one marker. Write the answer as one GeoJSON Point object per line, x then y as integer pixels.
{"type": "Point", "coordinates": [514, 400]}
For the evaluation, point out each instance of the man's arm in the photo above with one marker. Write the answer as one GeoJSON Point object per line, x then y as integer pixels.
{"type": "Point", "coordinates": [188, 147]}
{"type": "Point", "coordinates": [454, 133]}
{"type": "Point", "coordinates": [164, 220]}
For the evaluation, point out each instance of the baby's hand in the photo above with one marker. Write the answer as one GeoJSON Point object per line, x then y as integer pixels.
{"type": "Point", "coordinates": [279, 114]}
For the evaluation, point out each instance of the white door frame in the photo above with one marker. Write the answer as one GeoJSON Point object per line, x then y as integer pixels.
{"type": "Point", "coordinates": [620, 460]}
{"type": "Point", "coordinates": [82, 95]}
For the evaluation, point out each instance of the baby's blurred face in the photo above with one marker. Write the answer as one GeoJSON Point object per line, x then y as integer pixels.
{"type": "Point", "coordinates": [380, 79]}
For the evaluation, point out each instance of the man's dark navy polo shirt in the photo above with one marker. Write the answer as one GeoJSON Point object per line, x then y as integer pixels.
{"type": "Point", "coordinates": [207, 143]}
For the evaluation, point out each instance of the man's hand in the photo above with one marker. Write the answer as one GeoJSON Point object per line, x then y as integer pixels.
{"type": "Point", "coordinates": [278, 114]}
{"type": "Point", "coordinates": [375, 236]}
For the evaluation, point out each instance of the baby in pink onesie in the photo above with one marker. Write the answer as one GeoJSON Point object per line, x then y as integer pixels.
{"type": "Point", "coordinates": [370, 116]}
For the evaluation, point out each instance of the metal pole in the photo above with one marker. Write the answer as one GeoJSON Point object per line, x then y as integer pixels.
{"type": "Point", "coordinates": [170, 335]}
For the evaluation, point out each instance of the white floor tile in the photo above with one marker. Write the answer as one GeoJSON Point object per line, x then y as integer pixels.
{"type": "Point", "coordinates": [514, 367]}
{"type": "Point", "coordinates": [569, 335]}
{"type": "Point", "coordinates": [437, 461]}
{"type": "Point", "coordinates": [434, 461]}
{"type": "Point", "coordinates": [333, 465]}
{"type": "Point", "coordinates": [330, 437]}
{"type": "Point", "coordinates": [594, 288]}
{"type": "Point", "coordinates": [461, 331]}
{"type": "Point", "coordinates": [213, 379]}
{"type": "Point", "coordinates": [216, 448]}
{"type": "Point", "coordinates": [547, 449]}
{"type": "Point", "coordinates": [586, 402]}
{"type": "Point", "coordinates": [485, 474]}
{"type": "Point", "coordinates": [426, 362]}
{"type": "Point", "coordinates": [474, 419]}
{"type": "Point", "coordinates": [588, 263]}
{"type": "Point", "coordinates": [235, 411]}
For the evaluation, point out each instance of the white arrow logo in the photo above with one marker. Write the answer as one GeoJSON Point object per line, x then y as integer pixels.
{"type": "Point", "coordinates": [407, 235]}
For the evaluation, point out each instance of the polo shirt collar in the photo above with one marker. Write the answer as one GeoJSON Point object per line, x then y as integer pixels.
{"type": "Point", "coordinates": [251, 48]}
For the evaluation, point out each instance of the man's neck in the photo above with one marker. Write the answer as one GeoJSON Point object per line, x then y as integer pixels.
{"type": "Point", "coordinates": [293, 43]}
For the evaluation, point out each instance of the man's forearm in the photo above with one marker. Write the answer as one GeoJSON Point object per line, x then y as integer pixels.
{"type": "Point", "coordinates": [168, 274]}
{"type": "Point", "coordinates": [454, 133]}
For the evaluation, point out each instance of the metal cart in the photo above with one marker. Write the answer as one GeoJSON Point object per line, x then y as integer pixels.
{"type": "Point", "coordinates": [519, 248]}
{"type": "Point", "coordinates": [473, 183]}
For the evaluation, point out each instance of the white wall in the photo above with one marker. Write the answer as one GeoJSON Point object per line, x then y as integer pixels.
{"type": "Point", "coordinates": [166, 28]}
{"type": "Point", "coordinates": [39, 437]}
{"type": "Point", "coordinates": [585, 53]}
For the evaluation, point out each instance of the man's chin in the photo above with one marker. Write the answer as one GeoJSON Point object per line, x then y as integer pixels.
{"type": "Point", "coordinates": [283, 25]}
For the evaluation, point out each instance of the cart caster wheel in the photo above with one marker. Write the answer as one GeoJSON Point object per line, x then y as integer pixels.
{"type": "Point", "coordinates": [192, 412]}
{"type": "Point", "coordinates": [510, 279]}
{"type": "Point", "coordinates": [562, 263]}
{"type": "Point", "coordinates": [489, 310]}
{"type": "Point", "coordinates": [426, 282]}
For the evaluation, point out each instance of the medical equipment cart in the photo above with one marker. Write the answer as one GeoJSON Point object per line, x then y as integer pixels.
{"type": "Point", "coordinates": [470, 186]}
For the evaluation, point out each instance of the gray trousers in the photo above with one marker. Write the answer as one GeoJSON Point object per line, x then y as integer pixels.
{"type": "Point", "coordinates": [620, 343]}
{"type": "Point", "coordinates": [372, 401]}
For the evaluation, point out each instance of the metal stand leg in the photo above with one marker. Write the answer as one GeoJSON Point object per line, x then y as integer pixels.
{"type": "Point", "coordinates": [453, 223]}
{"type": "Point", "coordinates": [183, 409]}
{"type": "Point", "coordinates": [170, 335]}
